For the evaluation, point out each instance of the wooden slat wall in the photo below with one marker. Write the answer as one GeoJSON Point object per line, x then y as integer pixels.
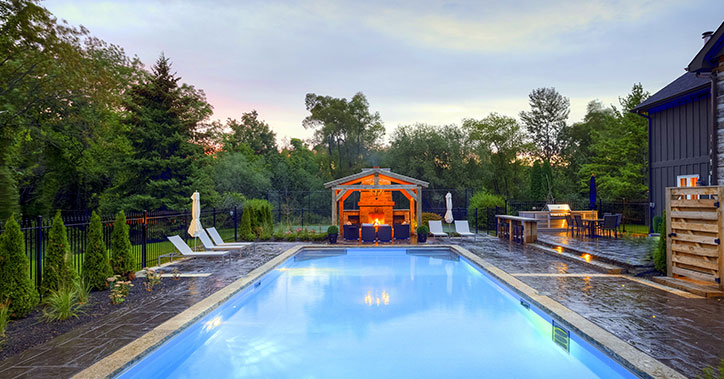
{"type": "Point", "coordinates": [694, 233]}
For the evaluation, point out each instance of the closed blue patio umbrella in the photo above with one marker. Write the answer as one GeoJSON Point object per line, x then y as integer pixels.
{"type": "Point", "coordinates": [592, 193]}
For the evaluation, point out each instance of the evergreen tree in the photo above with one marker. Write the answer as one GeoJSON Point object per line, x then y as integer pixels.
{"type": "Point", "coordinates": [163, 122]}
{"type": "Point", "coordinates": [57, 270]}
{"type": "Point", "coordinates": [122, 260]}
{"type": "Point", "coordinates": [536, 182]}
{"type": "Point", "coordinates": [96, 266]}
{"type": "Point", "coordinates": [16, 284]}
{"type": "Point", "coordinates": [246, 232]}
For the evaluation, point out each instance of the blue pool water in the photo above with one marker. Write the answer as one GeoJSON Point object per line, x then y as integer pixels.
{"type": "Point", "coordinates": [374, 313]}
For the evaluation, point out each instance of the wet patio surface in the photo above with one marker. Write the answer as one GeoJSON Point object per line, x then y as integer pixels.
{"type": "Point", "coordinates": [686, 334]}
{"type": "Point", "coordinates": [632, 252]}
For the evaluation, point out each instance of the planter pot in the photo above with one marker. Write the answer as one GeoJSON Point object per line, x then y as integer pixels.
{"type": "Point", "coordinates": [422, 238]}
{"type": "Point", "coordinates": [332, 238]}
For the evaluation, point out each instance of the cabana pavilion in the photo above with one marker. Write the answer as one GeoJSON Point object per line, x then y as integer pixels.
{"type": "Point", "coordinates": [376, 205]}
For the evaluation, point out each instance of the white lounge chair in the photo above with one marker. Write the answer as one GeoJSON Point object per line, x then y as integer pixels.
{"type": "Point", "coordinates": [218, 241]}
{"type": "Point", "coordinates": [463, 229]}
{"type": "Point", "coordinates": [186, 251]}
{"type": "Point", "coordinates": [436, 228]}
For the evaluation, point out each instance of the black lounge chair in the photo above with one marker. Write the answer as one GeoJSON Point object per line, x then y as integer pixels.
{"type": "Point", "coordinates": [402, 231]}
{"type": "Point", "coordinates": [351, 232]}
{"type": "Point", "coordinates": [384, 233]}
{"type": "Point", "coordinates": [368, 233]}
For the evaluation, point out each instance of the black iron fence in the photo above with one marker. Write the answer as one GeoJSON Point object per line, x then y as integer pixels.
{"type": "Point", "coordinates": [147, 232]}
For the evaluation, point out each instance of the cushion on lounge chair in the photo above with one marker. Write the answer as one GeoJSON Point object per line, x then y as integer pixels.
{"type": "Point", "coordinates": [218, 241]}
{"type": "Point", "coordinates": [208, 245]}
{"type": "Point", "coordinates": [436, 228]}
{"type": "Point", "coordinates": [463, 229]}
{"type": "Point", "coordinates": [186, 251]}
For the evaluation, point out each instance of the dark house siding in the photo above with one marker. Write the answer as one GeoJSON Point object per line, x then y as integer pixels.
{"type": "Point", "coordinates": [679, 145]}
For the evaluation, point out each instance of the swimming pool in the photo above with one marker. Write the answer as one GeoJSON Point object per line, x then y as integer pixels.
{"type": "Point", "coordinates": [376, 312]}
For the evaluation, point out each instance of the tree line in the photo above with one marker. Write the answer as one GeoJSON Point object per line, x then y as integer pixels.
{"type": "Point", "coordinates": [83, 126]}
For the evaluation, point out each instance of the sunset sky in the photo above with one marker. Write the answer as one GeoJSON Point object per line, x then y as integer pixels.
{"type": "Point", "coordinates": [416, 61]}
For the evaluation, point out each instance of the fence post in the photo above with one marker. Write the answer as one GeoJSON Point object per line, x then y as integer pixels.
{"type": "Point", "coordinates": [476, 220]}
{"type": "Point", "coordinates": [144, 239]}
{"type": "Point", "coordinates": [39, 252]}
{"type": "Point", "coordinates": [213, 212]}
{"type": "Point", "coordinates": [506, 209]}
{"type": "Point", "coordinates": [302, 217]}
{"type": "Point", "coordinates": [235, 225]}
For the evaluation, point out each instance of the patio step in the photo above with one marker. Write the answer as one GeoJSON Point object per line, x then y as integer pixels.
{"type": "Point", "coordinates": [627, 267]}
{"type": "Point", "coordinates": [591, 261]}
{"type": "Point", "coordinates": [711, 290]}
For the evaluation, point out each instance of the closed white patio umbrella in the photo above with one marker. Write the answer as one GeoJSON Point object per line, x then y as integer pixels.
{"type": "Point", "coordinates": [195, 225]}
{"type": "Point", "coordinates": [448, 202]}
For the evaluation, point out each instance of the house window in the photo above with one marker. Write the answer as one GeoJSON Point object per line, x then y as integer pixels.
{"type": "Point", "coordinates": [688, 181]}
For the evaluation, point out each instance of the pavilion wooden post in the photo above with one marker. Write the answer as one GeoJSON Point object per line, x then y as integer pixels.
{"type": "Point", "coordinates": [418, 213]}
{"type": "Point", "coordinates": [334, 208]}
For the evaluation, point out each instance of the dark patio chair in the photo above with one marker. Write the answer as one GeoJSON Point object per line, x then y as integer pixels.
{"type": "Point", "coordinates": [580, 227]}
{"type": "Point", "coordinates": [402, 231]}
{"type": "Point", "coordinates": [384, 233]}
{"type": "Point", "coordinates": [619, 218]}
{"type": "Point", "coordinates": [351, 232]}
{"type": "Point", "coordinates": [368, 233]}
{"type": "Point", "coordinates": [570, 225]}
{"type": "Point", "coordinates": [609, 225]}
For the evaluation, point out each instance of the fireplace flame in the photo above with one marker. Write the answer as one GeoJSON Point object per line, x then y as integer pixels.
{"type": "Point", "coordinates": [376, 222]}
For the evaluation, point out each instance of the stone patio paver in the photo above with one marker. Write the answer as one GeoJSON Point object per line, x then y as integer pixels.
{"type": "Point", "coordinates": [686, 334]}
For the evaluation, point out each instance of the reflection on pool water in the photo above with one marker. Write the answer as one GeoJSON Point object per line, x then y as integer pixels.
{"type": "Point", "coordinates": [374, 313]}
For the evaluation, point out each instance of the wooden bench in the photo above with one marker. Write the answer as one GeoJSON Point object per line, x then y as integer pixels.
{"type": "Point", "coordinates": [530, 226]}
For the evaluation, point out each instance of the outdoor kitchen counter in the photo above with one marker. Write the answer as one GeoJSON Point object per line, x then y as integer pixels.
{"type": "Point", "coordinates": [530, 226]}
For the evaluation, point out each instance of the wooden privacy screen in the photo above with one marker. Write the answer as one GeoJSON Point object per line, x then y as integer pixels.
{"type": "Point", "coordinates": [694, 233]}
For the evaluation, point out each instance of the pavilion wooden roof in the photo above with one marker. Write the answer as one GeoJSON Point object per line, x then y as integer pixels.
{"type": "Point", "coordinates": [376, 171]}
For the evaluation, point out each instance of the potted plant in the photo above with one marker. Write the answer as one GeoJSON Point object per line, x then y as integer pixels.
{"type": "Point", "coordinates": [332, 234]}
{"type": "Point", "coordinates": [422, 232]}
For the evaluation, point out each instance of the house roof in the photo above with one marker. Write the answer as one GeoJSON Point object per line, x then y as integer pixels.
{"type": "Point", "coordinates": [708, 56]}
{"type": "Point", "coordinates": [684, 84]}
{"type": "Point", "coordinates": [366, 172]}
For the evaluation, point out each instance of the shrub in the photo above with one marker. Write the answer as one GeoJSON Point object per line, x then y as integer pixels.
{"type": "Point", "coordinates": [96, 265]}
{"type": "Point", "coordinates": [119, 289]}
{"type": "Point", "coordinates": [659, 254]}
{"type": "Point", "coordinates": [332, 230]}
{"type": "Point", "coordinates": [422, 230]}
{"type": "Point", "coordinates": [245, 231]}
{"type": "Point", "coordinates": [83, 290]}
{"type": "Point", "coordinates": [482, 200]}
{"type": "Point", "coordinates": [708, 372]}
{"type": "Point", "coordinates": [16, 285]}
{"type": "Point", "coordinates": [278, 236]}
{"type": "Point", "coordinates": [57, 272]}
{"type": "Point", "coordinates": [266, 236]}
{"type": "Point", "coordinates": [290, 236]}
{"type": "Point", "coordinates": [4, 316]}
{"type": "Point", "coordinates": [153, 278]}
{"type": "Point", "coordinates": [122, 260]}
{"type": "Point", "coordinates": [657, 223]}
{"type": "Point", "coordinates": [260, 216]}
{"type": "Point", "coordinates": [62, 304]}
{"type": "Point", "coordinates": [427, 216]}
